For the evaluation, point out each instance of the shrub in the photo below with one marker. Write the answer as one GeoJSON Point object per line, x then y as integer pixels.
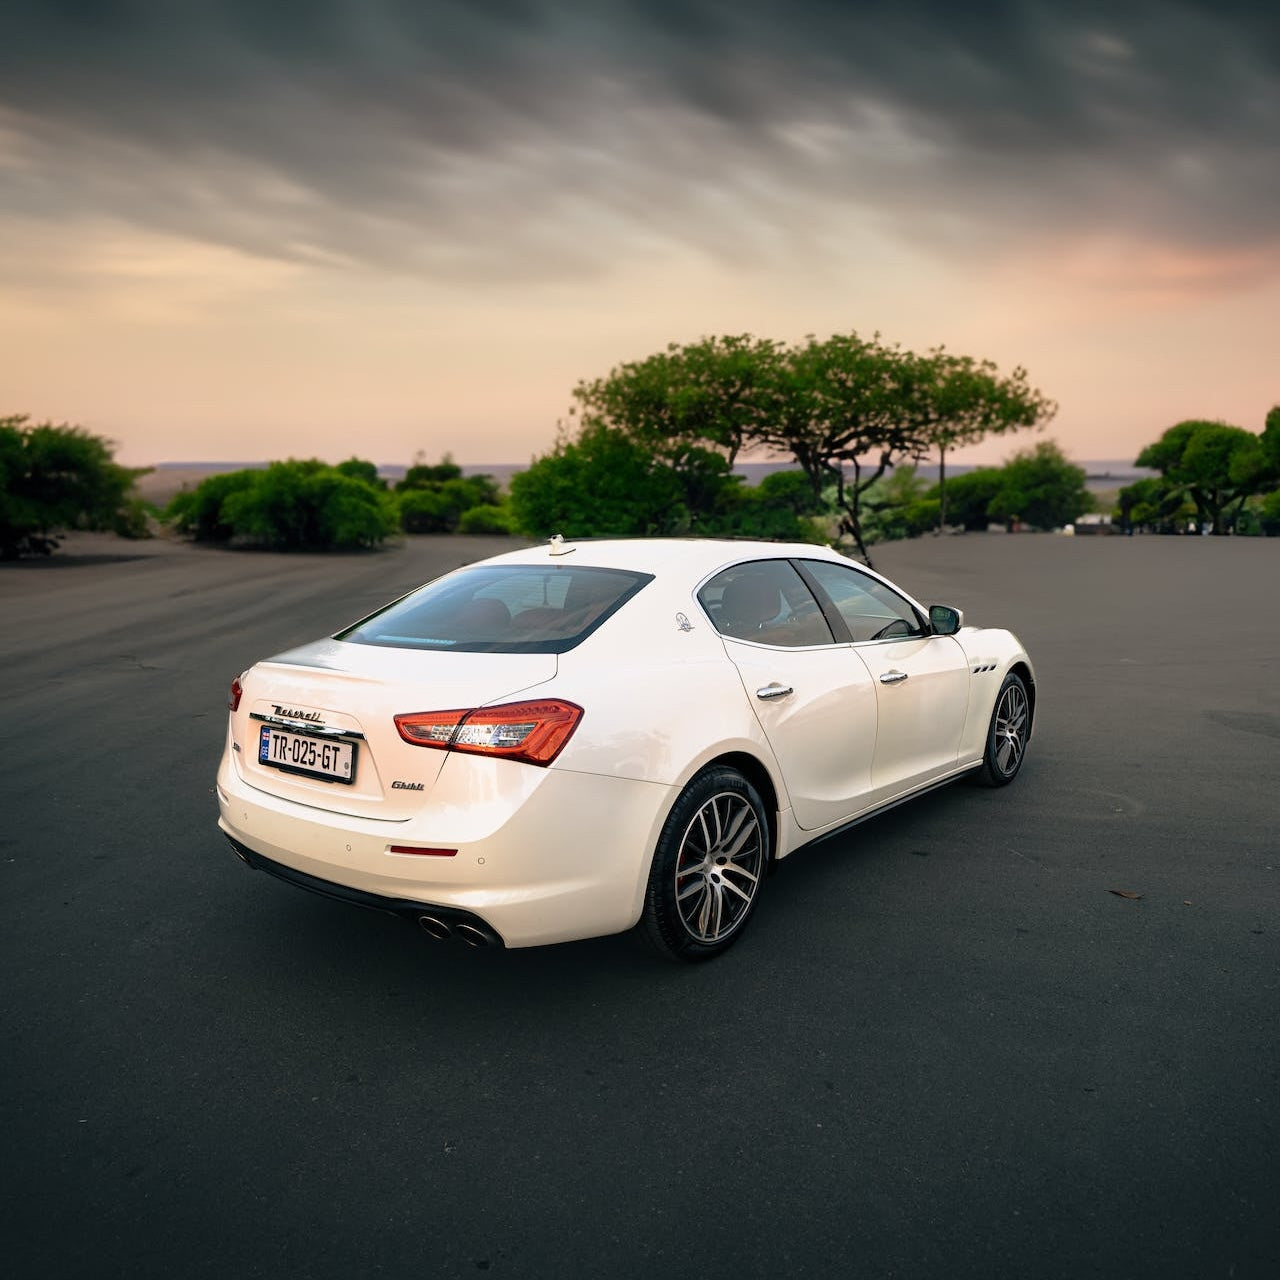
{"type": "Point", "coordinates": [485, 519]}
{"type": "Point", "coordinates": [781, 507]}
{"type": "Point", "coordinates": [603, 484]}
{"type": "Point", "coordinates": [289, 506]}
{"type": "Point", "coordinates": [54, 478]}
{"type": "Point", "coordinates": [198, 512]}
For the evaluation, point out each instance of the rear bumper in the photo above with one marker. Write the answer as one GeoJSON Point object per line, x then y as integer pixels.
{"type": "Point", "coordinates": [437, 921]}
{"type": "Point", "coordinates": [548, 856]}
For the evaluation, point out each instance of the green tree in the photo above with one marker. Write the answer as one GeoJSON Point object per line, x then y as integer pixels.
{"type": "Point", "coordinates": [432, 498]}
{"type": "Point", "coordinates": [849, 404]}
{"type": "Point", "coordinates": [55, 478]}
{"type": "Point", "coordinates": [423, 475]}
{"type": "Point", "coordinates": [1269, 514]}
{"type": "Point", "coordinates": [490, 518]}
{"type": "Point", "coordinates": [359, 469]}
{"type": "Point", "coordinates": [969, 497]}
{"type": "Point", "coordinates": [1154, 504]}
{"type": "Point", "coordinates": [603, 483]}
{"type": "Point", "coordinates": [1039, 487]}
{"type": "Point", "coordinates": [899, 505]}
{"type": "Point", "coordinates": [710, 394]}
{"type": "Point", "coordinates": [289, 506]}
{"type": "Point", "coordinates": [1216, 465]}
{"type": "Point", "coordinates": [971, 401]}
{"type": "Point", "coordinates": [198, 512]}
{"type": "Point", "coordinates": [781, 508]}
{"type": "Point", "coordinates": [846, 408]}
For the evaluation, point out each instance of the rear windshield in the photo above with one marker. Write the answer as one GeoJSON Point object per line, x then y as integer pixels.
{"type": "Point", "coordinates": [519, 608]}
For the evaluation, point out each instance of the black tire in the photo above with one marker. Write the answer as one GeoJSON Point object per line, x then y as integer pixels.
{"type": "Point", "coordinates": [708, 867]}
{"type": "Point", "coordinates": [1007, 734]}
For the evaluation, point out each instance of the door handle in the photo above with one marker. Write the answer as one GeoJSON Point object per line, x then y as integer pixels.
{"type": "Point", "coordinates": [774, 690]}
{"type": "Point", "coordinates": [893, 677]}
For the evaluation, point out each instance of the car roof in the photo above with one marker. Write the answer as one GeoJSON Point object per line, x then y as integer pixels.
{"type": "Point", "coordinates": [693, 557]}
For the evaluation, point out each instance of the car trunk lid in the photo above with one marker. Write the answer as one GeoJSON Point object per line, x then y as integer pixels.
{"type": "Point", "coordinates": [316, 725]}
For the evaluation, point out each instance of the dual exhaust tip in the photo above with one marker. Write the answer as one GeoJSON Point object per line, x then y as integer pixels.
{"type": "Point", "coordinates": [443, 924]}
{"type": "Point", "coordinates": [446, 931]}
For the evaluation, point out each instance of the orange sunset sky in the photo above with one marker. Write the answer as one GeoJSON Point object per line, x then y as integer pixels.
{"type": "Point", "coordinates": [234, 231]}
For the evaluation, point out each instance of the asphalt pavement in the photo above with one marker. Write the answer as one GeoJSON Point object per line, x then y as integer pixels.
{"type": "Point", "coordinates": [946, 1047]}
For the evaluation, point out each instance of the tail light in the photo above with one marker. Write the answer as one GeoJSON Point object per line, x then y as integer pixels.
{"type": "Point", "coordinates": [237, 692]}
{"type": "Point", "coordinates": [534, 732]}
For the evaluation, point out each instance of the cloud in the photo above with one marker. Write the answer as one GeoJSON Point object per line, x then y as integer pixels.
{"type": "Point", "coordinates": [534, 138]}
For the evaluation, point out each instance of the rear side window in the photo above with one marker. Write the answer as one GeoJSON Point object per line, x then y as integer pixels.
{"type": "Point", "coordinates": [766, 602]}
{"type": "Point", "coordinates": [519, 608]}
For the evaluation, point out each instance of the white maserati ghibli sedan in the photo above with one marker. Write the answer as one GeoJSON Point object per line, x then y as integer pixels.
{"type": "Point", "coordinates": [578, 738]}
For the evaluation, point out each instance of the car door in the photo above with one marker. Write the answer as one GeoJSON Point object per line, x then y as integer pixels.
{"type": "Point", "coordinates": [921, 680]}
{"type": "Point", "coordinates": [813, 695]}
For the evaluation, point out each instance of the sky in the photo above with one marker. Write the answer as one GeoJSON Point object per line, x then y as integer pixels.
{"type": "Point", "coordinates": [253, 229]}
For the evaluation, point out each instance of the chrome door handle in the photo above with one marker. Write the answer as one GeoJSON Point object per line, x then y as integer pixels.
{"type": "Point", "coordinates": [893, 677]}
{"type": "Point", "coordinates": [774, 690]}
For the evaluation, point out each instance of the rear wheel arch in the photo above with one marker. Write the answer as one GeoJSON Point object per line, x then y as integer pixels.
{"type": "Point", "coordinates": [758, 775]}
{"type": "Point", "coordinates": [710, 860]}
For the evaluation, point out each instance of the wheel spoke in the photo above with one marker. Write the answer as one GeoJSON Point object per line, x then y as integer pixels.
{"type": "Point", "coordinates": [689, 890]}
{"type": "Point", "coordinates": [719, 867]}
{"type": "Point", "coordinates": [741, 830]}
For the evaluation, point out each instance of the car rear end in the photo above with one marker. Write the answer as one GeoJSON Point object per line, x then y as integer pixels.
{"type": "Point", "coordinates": [412, 764]}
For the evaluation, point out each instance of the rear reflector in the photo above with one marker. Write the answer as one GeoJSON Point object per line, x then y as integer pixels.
{"type": "Point", "coordinates": [534, 732]}
{"type": "Point", "coordinates": [422, 853]}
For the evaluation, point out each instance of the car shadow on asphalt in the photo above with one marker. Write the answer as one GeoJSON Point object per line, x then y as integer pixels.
{"type": "Point", "coordinates": [297, 941]}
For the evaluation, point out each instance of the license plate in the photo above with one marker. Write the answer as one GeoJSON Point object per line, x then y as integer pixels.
{"type": "Point", "coordinates": [306, 754]}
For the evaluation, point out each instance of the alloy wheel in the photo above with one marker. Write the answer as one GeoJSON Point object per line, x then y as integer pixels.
{"type": "Point", "coordinates": [1010, 729]}
{"type": "Point", "coordinates": [718, 867]}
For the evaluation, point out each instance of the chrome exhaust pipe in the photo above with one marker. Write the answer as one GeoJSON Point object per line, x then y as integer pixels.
{"type": "Point", "coordinates": [436, 928]}
{"type": "Point", "coordinates": [472, 936]}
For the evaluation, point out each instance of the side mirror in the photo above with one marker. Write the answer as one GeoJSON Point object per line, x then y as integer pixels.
{"type": "Point", "coordinates": [944, 620]}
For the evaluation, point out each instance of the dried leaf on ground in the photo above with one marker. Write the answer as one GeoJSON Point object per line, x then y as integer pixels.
{"type": "Point", "coordinates": [1125, 893]}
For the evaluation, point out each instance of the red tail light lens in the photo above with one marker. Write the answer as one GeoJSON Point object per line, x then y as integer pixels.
{"type": "Point", "coordinates": [237, 692]}
{"type": "Point", "coordinates": [534, 732]}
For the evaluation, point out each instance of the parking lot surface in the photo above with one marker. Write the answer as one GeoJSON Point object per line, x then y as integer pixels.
{"type": "Point", "coordinates": [946, 1047]}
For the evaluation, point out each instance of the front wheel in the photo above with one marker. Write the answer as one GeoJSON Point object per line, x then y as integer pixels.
{"type": "Point", "coordinates": [708, 867]}
{"type": "Point", "coordinates": [1007, 734]}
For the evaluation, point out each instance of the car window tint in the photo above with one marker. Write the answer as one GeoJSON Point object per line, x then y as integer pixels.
{"type": "Point", "coordinates": [870, 610]}
{"type": "Point", "coordinates": [765, 601]}
{"type": "Point", "coordinates": [502, 609]}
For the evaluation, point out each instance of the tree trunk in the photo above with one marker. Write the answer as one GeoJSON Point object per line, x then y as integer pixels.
{"type": "Point", "coordinates": [942, 488]}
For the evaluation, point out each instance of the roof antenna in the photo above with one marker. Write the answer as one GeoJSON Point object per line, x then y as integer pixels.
{"type": "Point", "coordinates": [558, 547]}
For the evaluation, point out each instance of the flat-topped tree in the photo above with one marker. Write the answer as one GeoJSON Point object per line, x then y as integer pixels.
{"type": "Point", "coordinates": [1217, 465]}
{"type": "Point", "coordinates": [849, 403]}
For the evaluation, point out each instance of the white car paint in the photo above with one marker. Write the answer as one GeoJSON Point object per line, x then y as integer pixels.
{"type": "Point", "coordinates": [548, 854]}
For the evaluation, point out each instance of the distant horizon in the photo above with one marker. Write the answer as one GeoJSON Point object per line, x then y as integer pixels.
{"type": "Point", "coordinates": [1092, 466]}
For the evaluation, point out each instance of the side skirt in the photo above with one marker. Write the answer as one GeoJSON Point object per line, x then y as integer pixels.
{"type": "Point", "coordinates": [884, 808]}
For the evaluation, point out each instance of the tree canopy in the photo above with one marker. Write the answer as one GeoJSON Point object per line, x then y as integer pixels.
{"type": "Point", "coordinates": [55, 478]}
{"type": "Point", "coordinates": [1040, 488]}
{"type": "Point", "coordinates": [1215, 466]}
{"type": "Point", "coordinates": [846, 408]}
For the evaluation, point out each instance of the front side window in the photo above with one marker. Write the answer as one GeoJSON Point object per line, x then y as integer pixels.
{"type": "Point", "coordinates": [870, 610]}
{"type": "Point", "coordinates": [765, 601]}
{"type": "Point", "coordinates": [519, 608]}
